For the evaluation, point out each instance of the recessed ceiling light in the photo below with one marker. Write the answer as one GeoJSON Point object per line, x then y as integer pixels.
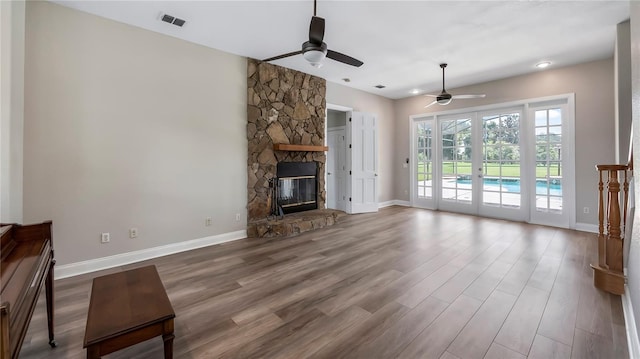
{"type": "Point", "coordinates": [542, 65]}
{"type": "Point", "coordinates": [346, 79]}
{"type": "Point", "coordinates": [380, 86]}
{"type": "Point", "coordinates": [415, 91]}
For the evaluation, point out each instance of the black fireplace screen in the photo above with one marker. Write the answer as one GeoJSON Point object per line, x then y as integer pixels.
{"type": "Point", "coordinates": [297, 186]}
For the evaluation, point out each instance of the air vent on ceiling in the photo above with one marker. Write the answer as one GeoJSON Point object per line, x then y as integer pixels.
{"type": "Point", "coordinates": [173, 20]}
{"type": "Point", "coordinates": [380, 86]}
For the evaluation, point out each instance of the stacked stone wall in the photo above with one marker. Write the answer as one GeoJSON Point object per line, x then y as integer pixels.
{"type": "Point", "coordinates": [283, 106]}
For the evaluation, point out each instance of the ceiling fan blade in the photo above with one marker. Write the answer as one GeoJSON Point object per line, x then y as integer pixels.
{"type": "Point", "coordinates": [469, 96]}
{"type": "Point", "coordinates": [316, 30]}
{"type": "Point", "coordinates": [283, 56]}
{"type": "Point", "coordinates": [431, 104]}
{"type": "Point", "coordinates": [428, 95]}
{"type": "Point", "coordinates": [344, 58]}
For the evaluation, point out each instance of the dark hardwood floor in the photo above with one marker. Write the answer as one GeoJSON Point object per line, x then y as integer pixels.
{"type": "Point", "coordinates": [403, 282]}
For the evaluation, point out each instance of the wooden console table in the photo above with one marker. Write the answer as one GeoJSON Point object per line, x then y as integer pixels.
{"type": "Point", "coordinates": [128, 308]}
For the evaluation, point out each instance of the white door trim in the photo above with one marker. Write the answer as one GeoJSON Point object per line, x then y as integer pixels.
{"type": "Point", "coordinates": [331, 106]}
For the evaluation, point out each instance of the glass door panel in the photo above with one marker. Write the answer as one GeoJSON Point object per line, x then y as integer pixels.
{"type": "Point", "coordinates": [423, 160]}
{"type": "Point", "coordinates": [552, 165]}
{"type": "Point", "coordinates": [501, 160]}
{"type": "Point", "coordinates": [457, 186]}
{"type": "Point", "coordinates": [424, 163]}
{"type": "Point", "coordinates": [548, 137]}
{"type": "Point", "coordinates": [456, 174]}
{"type": "Point", "coordinates": [501, 194]}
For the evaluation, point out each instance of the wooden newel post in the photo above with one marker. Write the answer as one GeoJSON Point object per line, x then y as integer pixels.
{"type": "Point", "coordinates": [607, 274]}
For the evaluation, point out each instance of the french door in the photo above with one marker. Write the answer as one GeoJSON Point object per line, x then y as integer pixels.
{"type": "Point", "coordinates": [506, 162]}
{"type": "Point", "coordinates": [503, 186]}
{"type": "Point", "coordinates": [480, 164]}
{"type": "Point", "coordinates": [553, 164]}
{"type": "Point", "coordinates": [424, 156]}
{"type": "Point", "coordinates": [457, 183]}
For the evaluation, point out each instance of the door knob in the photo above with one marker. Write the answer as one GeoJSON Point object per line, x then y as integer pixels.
{"type": "Point", "coordinates": [329, 173]}
{"type": "Point", "coordinates": [376, 175]}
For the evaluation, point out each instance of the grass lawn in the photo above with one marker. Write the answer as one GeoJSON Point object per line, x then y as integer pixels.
{"type": "Point", "coordinates": [490, 169]}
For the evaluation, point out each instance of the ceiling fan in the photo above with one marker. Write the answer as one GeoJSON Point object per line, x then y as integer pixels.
{"type": "Point", "coordinates": [444, 98]}
{"type": "Point", "coordinates": [315, 50]}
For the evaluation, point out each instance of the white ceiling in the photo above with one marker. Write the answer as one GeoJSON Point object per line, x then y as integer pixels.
{"type": "Point", "coordinates": [400, 42]}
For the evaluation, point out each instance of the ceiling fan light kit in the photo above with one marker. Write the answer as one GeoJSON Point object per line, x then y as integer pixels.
{"type": "Point", "coordinates": [315, 50]}
{"type": "Point", "coordinates": [314, 54]}
{"type": "Point", "coordinates": [445, 98]}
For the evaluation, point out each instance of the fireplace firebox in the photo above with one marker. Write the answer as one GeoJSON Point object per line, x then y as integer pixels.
{"type": "Point", "coordinates": [297, 187]}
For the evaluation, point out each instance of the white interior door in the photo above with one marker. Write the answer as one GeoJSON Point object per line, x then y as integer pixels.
{"type": "Point", "coordinates": [336, 169]}
{"type": "Point", "coordinates": [362, 130]}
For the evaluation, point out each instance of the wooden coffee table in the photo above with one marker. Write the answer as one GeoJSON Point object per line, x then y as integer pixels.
{"type": "Point", "coordinates": [128, 308]}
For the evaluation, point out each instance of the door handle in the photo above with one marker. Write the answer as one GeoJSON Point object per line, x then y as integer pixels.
{"type": "Point", "coordinates": [376, 175]}
{"type": "Point", "coordinates": [329, 173]}
{"type": "Point", "coordinates": [479, 176]}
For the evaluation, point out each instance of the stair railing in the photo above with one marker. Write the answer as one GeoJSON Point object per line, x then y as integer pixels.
{"type": "Point", "coordinates": [612, 216]}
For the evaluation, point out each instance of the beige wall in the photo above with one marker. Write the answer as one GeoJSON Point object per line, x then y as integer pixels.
{"type": "Point", "coordinates": [384, 108]}
{"type": "Point", "coordinates": [12, 28]}
{"type": "Point", "coordinates": [622, 78]}
{"type": "Point", "coordinates": [129, 128]}
{"type": "Point", "coordinates": [595, 143]}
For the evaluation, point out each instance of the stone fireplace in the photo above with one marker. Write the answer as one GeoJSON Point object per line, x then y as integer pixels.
{"type": "Point", "coordinates": [285, 124]}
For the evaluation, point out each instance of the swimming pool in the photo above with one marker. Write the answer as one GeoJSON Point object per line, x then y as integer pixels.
{"type": "Point", "coordinates": [513, 185]}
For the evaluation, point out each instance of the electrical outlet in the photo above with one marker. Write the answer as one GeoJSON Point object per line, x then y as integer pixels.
{"type": "Point", "coordinates": [105, 238]}
{"type": "Point", "coordinates": [208, 221]}
{"type": "Point", "coordinates": [237, 216]}
{"type": "Point", "coordinates": [585, 210]}
{"type": "Point", "coordinates": [133, 232]}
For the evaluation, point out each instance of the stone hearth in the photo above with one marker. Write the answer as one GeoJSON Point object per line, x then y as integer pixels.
{"type": "Point", "coordinates": [294, 223]}
{"type": "Point", "coordinates": [287, 107]}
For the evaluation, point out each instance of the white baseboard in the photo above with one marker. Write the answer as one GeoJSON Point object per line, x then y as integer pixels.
{"type": "Point", "coordinates": [402, 203]}
{"type": "Point", "coordinates": [395, 202]}
{"type": "Point", "coordinates": [587, 227]}
{"type": "Point", "coordinates": [630, 324]}
{"type": "Point", "coordinates": [74, 269]}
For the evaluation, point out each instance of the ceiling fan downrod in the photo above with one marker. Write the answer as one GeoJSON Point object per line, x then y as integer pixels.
{"type": "Point", "coordinates": [442, 66]}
